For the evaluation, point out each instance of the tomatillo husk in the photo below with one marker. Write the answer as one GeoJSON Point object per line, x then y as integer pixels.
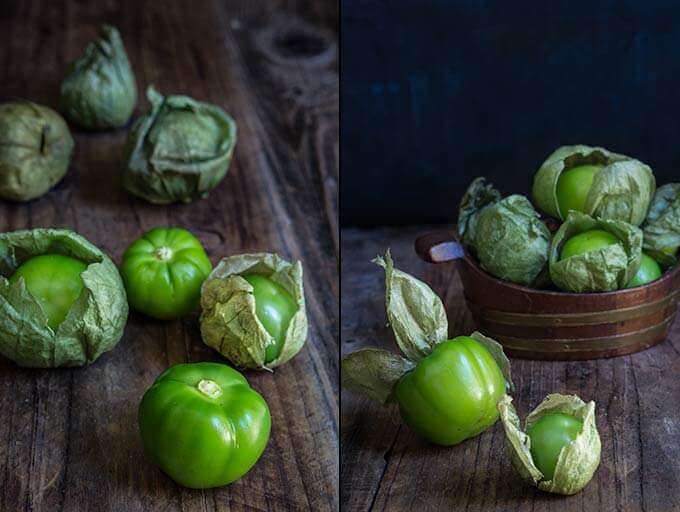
{"type": "Point", "coordinates": [577, 461]}
{"type": "Point", "coordinates": [661, 229]}
{"type": "Point", "coordinates": [229, 322]}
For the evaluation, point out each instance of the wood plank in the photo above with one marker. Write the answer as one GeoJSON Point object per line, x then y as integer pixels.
{"type": "Point", "coordinates": [386, 467]}
{"type": "Point", "coordinates": [70, 441]}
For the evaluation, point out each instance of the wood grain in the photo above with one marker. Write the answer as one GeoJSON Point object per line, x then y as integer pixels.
{"type": "Point", "coordinates": [386, 467]}
{"type": "Point", "coordinates": [69, 440]}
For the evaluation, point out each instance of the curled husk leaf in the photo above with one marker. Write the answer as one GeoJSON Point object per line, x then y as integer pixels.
{"type": "Point", "coordinates": [606, 269]}
{"type": "Point", "coordinates": [229, 323]}
{"type": "Point", "coordinates": [577, 461]}
{"type": "Point", "coordinates": [179, 151]}
{"type": "Point", "coordinates": [507, 236]}
{"type": "Point", "coordinates": [35, 150]}
{"type": "Point", "coordinates": [661, 229]}
{"type": "Point", "coordinates": [415, 313]}
{"type": "Point", "coordinates": [621, 190]}
{"type": "Point", "coordinates": [374, 372]}
{"type": "Point", "coordinates": [99, 90]}
{"type": "Point", "coordinates": [95, 322]}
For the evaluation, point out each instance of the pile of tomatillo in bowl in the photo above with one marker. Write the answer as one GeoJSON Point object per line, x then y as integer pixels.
{"type": "Point", "coordinates": [63, 301]}
{"type": "Point", "coordinates": [605, 226]}
{"type": "Point", "coordinates": [614, 228]}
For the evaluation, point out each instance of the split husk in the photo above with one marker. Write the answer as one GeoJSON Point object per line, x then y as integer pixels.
{"type": "Point", "coordinates": [661, 229]}
{"type": "Point", "coordinates": [621, 190]}
{"type": "Point", "coordinates": [228, 321]}
{"type": "Point", "coordinates": [610, 268]}
{"type": "Point", "coordinates": [95, 322]}
{"type": "Point", "coordinates": [577, 461]}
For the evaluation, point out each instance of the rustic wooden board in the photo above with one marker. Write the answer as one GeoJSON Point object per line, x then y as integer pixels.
{"type": "Point", "coordinates": [68, 437]}
{"type": "Point", "coordinates": [386, 467]}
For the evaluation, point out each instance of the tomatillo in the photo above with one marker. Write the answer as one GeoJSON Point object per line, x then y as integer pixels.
{"type": "Point", "coordinates": [274, 308]}
{"type": "Point", "coordinates": [587, 241]}
{"type": "Point", "coordinates": [649, 271]}
{"type": "Point", "coordinates": [54, 281]}
{"type": "Point", "coordinates": [451, 395]}
{"type": "Point", "coordinates": [573, 187]}
{"type": "Point", "coordinates": [163, 272]}
{"type": "Point", "coordinates": [548, 436]}
{"type": "Point", "coordinates": [203, 425]}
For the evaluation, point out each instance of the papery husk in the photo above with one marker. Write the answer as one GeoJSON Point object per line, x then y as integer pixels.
{"type": "Point", "coordinates": [179, 151]}
{"type": "Point", "coordinates": [35, 150]}
{"type": "Point", "coordinates": [374, 372]}
{"type": "Point", "coordinates": [496, 351]}
{"type": "Point", "coordinates": [229, 322]}
{"type": "Point", "coordinates": [661, 229]}
{"type": "Point", "coordinates": [415, 313]}
{"type": "Point", "coordinates": [577, 461]}
{"type": "Point", "coordinates": [478, 195]}
{"type": "Point", "coordinates": [99, 90]}
{"type": "Point", "coordinates": [621, 190]}
{"type": "Point", "coordinates": [95, 322]}
{"type": "Point", "coordinates": [609, 268]}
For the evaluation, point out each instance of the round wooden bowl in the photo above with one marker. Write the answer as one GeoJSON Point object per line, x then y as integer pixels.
{"type": "Point", "coordinates": [545, 324]}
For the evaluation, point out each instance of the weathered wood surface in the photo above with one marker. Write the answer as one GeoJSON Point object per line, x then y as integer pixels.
{"type": "Point", "coordinates": [386, 467]}
{"type": "Point", "coordinates": [68, 437]}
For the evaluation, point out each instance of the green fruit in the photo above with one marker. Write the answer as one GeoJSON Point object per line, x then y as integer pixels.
{"type": "Point", "coordinates": [451, 395]}
{"type": "Point", "coordinates": [649, 271]}
{"type": "Point", "coordinates": [573, 187]}
{"type": "Point", "coordinates": [548, 436]}
{"type": "Point", "coordinates": [274, 308]}
{"type": "Point", "coordinates": [54, 281]}
{"type": "Point", "coordinates": [203, 425]}
{"type": "Point", "coordinates": [586, 242]}
{"type": "Point", "coordinates": [163, 272]}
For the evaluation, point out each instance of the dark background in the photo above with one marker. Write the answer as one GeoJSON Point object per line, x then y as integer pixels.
{"type": "Point", "coordinates": [437, 92]}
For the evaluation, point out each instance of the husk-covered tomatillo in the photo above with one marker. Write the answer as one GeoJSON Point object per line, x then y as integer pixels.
{"type": "Point", "coordinates": [661, 229]}
{"type": "Point", "coordinates": [35, 150]}
{"type": "Point", "coordinates": [594, 181]}
{"type": "Point", "coordinates": [253, 310]}
{"type": "Point", "coordinates": [76, 313]}
{"type": "Point", "coordinates": [506, 235]}
{"type": "Point", "coordinates": [99, 90]}
{"type": "Point", "coordinates": [446, 389]}
{"type": "Point", "coordinates": [178, 151]}
{"type": "Point", "coordinates": [559, 449]}
{"type": "Point", "coordinates": [594, 255]}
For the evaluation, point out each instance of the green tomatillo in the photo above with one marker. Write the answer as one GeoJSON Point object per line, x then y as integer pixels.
{"type": "Point", "coordinates": [593, 181]}
{"type": "Point", "coordinates": [594, 255]}
{"type": "Point", "coordinates": [203, 425]}
{"type": "Point", "coordinates": [163, 272]}
{"type": "Point", "coordinates": [559, 449]}
{"type": "Point", "coordinates": [253, 310]}
{"type": "Point", "coordinates": [54, 281]}
{"type": "Point", "coordinates": [649, 271]}
{"type": "Point", "coordinates": [447, 389]}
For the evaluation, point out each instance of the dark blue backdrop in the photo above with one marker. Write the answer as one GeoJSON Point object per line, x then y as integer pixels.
{"type": "Point", "coordinates": [437, 92]}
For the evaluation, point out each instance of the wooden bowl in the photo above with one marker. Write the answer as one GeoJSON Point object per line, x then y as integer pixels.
{"type": "Point", "coordinates": [544, 324]}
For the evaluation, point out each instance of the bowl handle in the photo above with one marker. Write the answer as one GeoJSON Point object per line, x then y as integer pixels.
{"type": "Point", "coordinates": [439, 247]}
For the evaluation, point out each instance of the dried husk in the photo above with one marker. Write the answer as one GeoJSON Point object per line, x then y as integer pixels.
{"type": "Point", "coordinates": [661, 229]}
{"type": "Point", "coordinates": [99, 90]}
{"type": "Point", "coordinates": [374, 372]}
{"type": "Point", "coordinates": [179, 151]}
{"type": "Point", "coordinates": [622, 190]}
{"type": "Point", "coordinates": [507, 236]}
{"type": "Point", "coordinates": [601, 270]}
{"type": "Point", "coordinates": [228, 321]}
{"type": "Point", "coordinates": [35, 150]}
{"type": "Point", "coordinates": [577, 461]}
{"type": "Point", "coordinates": [95, 322]}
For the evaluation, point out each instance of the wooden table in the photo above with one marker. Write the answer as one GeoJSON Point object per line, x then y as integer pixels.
{"type": "Point", "coordinates": [68, 437]}
{"type": "Point", "coordinates": [384, 466]}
